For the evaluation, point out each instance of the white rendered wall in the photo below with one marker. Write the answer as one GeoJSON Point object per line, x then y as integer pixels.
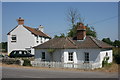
{"type": "Point", "coordinates": [103, 54]}
{"type": "Point", "coordinates": [61, 55]}
{"type": "Point", "coordinates": [38, 54]}
{"type": "Point", "coordinates": [57, 55]}
{"type": "Point", "coordinates": [40, 40]}
{"type": "Point", "coordinates": [78, 55]}
{"type": "Point", "coordinates": [24, 40]}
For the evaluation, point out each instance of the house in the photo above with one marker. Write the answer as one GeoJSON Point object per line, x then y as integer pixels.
{"type": "Point", "coordinates": [80, 49]}
{"type": "Point", "coordinates": [24, 38]}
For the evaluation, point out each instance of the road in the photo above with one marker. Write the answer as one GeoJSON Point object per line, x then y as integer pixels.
{"type": "Point", "coordinates": [11, 72]}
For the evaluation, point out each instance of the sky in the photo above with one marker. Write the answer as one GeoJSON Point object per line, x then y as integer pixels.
{"type": "Point", "coordinates": [103, 16]}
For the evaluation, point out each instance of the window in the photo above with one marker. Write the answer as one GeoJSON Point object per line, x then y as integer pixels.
{"type": "Point", "coordinates": [86, 57]}
{"type": "Point", "coordinates": [13, 38]}
{"type": "Point", "coordinates": [106, 54]}
{"type": "Point", "coordinates": [43, 56]}
{"type": "Point", "coordinates": [70, 56]}
{"type": "Point", "coordinates": [41, 40]}
{"type": "Point", "coordinates": [37, 41]}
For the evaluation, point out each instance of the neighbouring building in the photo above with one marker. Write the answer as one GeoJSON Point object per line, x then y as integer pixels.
{"type": "Point", "coordinates": [24, 38]}
{"type": "Point", "coordinates": [80, 49]}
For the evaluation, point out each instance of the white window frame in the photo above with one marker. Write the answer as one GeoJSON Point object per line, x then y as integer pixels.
{"type": "Point", "coordinates": [87, 57]}
{"type": "Point", "coordinates": [14, 37]}
{"type": "Point", "coordinates": [37, 39]}
{"type": "Point", "coordinates": [70, 56]}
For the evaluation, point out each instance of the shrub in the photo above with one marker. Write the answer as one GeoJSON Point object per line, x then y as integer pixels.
{"type": "Point", "coordinates": [26, 62]}
{"type": "Point", "coordinates": [11, 61]}
{"type": "Point", "coordinates": [105, 61]}
{"type": "Point", "coordinates": [116, 55]}
{"type": "Point", "coordinates": [117, 58]}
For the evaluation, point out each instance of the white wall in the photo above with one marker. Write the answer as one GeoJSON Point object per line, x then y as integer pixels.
{"type": "Point", "coordinates": [103, 54]}
{"type": "Point", "coordinates": [57, 55]}
{"type": "Point", "coordinates": [24, 39]}
{"type": "Point", "coordinates": [40, 40]}
{"type": "Point", "coordinates": [61, 55]}
{"type": "Point", "coordinates": [79, 55]}
{"type": "Point", "coordinates": [38, 54]}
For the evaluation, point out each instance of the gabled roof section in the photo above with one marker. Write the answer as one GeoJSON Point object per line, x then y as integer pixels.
{"type": "Point", "coordinates": [36, 32]}
{"type": "Point", "coordinates": [33, 31]}
{"type": "Point", "coordinates": [68, 43]}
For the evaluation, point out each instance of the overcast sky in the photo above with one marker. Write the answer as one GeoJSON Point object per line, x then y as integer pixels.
{"type": "Point", "coordinates": [52, 15]}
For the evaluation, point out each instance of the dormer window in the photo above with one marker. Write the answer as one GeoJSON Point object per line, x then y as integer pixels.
{"type": "Point", "coordinates": [13, 38]}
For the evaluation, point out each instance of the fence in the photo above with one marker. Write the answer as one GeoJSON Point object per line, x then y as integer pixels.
{"type": "Point", "coordinates": [90, 65]}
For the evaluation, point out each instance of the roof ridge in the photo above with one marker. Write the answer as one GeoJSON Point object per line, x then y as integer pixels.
{"type": "Point", "coordinates": [71, 41]}
{"type": "Point", "coordinates": [95, 41]}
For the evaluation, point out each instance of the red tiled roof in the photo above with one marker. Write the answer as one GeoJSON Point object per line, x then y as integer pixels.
{"type": "Point", "coordinates": [69, 43]}
{"type": "Point", "coordinates": [34, 31]}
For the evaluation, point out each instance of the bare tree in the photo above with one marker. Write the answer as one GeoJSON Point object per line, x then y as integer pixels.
{"type": "Point", "coordinates": [73, 16]}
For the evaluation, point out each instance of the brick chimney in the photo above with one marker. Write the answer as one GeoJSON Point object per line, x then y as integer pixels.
{"type": "Point", "coordinates": [20, 21]}
{"type": "Point", "coordinates": [81, 32]}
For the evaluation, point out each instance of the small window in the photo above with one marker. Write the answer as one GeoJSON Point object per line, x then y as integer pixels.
{"type": "Point", "coordinates": [43, 56]}
{"type": "Point", "coordinates": [106, 54]}
{"type": "Point", "coordinates": [70, 56]}
{"type": "Point", "coordinates": [37, 37]}
{"type": "Point", "coordinates": [37, 41]}
{"type": "Point", "coordinates": [13, 38]}
{"type": "Point", "coordinates": [86, 57]}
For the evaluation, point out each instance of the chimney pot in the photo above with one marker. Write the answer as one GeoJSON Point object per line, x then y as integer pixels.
{"type": "Point", "coordinates": [41, 28]}
{"type": "Point", "coordinates": [20, 21]}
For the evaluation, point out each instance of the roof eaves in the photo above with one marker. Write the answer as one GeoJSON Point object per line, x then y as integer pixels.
{"type": "Point", "coordinates": [11, 30]}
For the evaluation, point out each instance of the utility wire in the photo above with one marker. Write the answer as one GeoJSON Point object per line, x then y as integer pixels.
{"type": "Point", "coordinates": [100, 21]}
{"type": "Point", "coordinates": [104, 20]}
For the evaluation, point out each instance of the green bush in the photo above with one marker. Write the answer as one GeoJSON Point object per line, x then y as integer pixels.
{"type": "Point", "coordinates": [11, 61]}
{"type": "Point", "coordinates": [26, 62]}
{"type": "Point", "coordinates": [116, 55]}
{"type": "Point", "coordinates": [105, 61]}
{"type": "Point", "coordinates": [117, 58]}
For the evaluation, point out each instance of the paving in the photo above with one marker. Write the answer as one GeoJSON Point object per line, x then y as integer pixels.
{"type": "Point", "coordinates": [11, 72]}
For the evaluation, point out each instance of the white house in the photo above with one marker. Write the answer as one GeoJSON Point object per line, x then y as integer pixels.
{"type": "Point", "coordinates": [24, 38]}
{"type": "Point", "coordinates": [80, 49]}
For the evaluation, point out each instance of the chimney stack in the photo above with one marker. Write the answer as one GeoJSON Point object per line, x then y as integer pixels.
{"type": "Point", "coordinates": [41, 28]}
{"type": "Point", "coordinates": [81, 31]}
{"type": "Point", "coordinates": [20, 21]}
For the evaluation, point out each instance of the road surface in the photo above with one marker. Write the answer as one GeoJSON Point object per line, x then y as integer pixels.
{"type": "Point", "coordinates": [11, 72]}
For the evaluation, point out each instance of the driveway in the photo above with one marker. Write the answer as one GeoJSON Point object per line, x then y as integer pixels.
{"type": "Point", "coordinates": [11, 72]}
